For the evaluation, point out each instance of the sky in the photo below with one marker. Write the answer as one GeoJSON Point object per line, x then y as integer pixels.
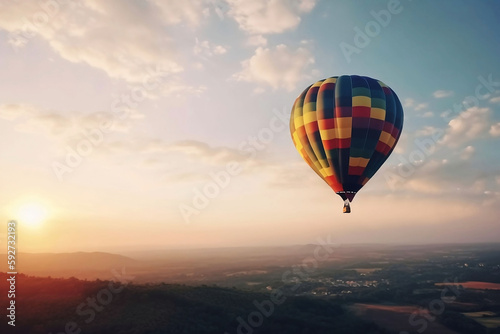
{"type": "Point", "coordinates": [136, 125]}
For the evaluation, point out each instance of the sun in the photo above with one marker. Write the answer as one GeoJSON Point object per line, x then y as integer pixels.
{"type": "Point", "coordinates": [31, 214]}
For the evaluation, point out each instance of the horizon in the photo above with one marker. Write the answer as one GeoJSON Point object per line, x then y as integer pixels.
{"type": "Point", "coordinates": [123, 252]}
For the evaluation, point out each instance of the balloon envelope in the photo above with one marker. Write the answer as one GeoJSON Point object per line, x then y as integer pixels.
{"type": "Point", "coordinates": [345, 128]}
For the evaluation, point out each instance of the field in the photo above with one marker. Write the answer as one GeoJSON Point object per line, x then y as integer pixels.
{"type": "Point", "coordinates": [400, 318]}
{"type": "Point", "coordinates": [489, 322]}
{"type": "Point", "coordinates": [487, 319]}
{"type": "Point", "coordinates": [366, 270]}
{"type": "Point", "coordinates": [474, 285]}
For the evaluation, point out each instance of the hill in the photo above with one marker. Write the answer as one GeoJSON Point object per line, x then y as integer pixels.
{"type": "Point", "coordinates": [89, 265]}
{"type": "Point", "coordinates": [47, 305]}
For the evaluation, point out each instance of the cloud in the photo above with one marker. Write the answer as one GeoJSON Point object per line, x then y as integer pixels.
{"type": "Point", "coordinates": [50, 123]}
{"type": "Point", "coordinates": [408, 102]}
{"type": "Point", "coordinates": [495, 99]}
{"type": "Point", "coordinates": [421, 106]}
{"type": "Point", "coordinates": [257, 40]}
{"type": "Point", "coordinates": [197, 152]}
{"type": "Point", "coordinates": [470, 124]}
{"type": "Point", "coordinates": [467, 153]}
{"type": "Point", "coordinates": [427, 114]}
{"type": "Point", "coordinates": [198, 66]}
{"type": "Point", "coordinates": [185, 12]}
{"type": "Point", "coordinates": [285, 175]}
{"type": "Point", "coordinates": [280, 67]}
{"type": "Point", "coordinates": [126, 39]}
{"type": "Point", "coordinates": [495, 130]}
{"type": "Point", "coordinates": [457, 179]}
{"type": "Point", "coordinates": [207, 49]}
{"type": "Point", "coordinates": [209, 154]}
{"type": "Point", "coordinates": [65, 125]}
{"type": "Point", "coordinates": [268, 17]}
{"type": "Point", "coordinates": [423, 186]}
{"type": "Point", "coordinates": [220, 50]}
{"type": "Point", "coordinates": [439, 94]}
{"type": "Point", "coordinates": [449, 172]}
{"type": "Point", "coordinates": [13, 111]}
{"type": "Point", "coordinates": [402, 144]}
{"type": "Point", "coordinates": [176, 87]}
{"type": "Point", "coordinates": [188, 161]}
{"type": "Point", "coordinates": [152, 163]}
{"type": "Point", "coordinates": [427, 130]}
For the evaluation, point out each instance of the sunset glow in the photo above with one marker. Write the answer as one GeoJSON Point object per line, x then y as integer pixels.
{"type": "Point", "coordinates": [31, 215]}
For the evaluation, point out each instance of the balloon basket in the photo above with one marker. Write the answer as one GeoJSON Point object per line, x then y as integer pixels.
{"type": "Point", "coordinates": [347, 206]}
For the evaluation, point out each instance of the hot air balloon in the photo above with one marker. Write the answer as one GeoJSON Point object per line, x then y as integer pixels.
{"type": "Point", "coordinates": [345, 128]}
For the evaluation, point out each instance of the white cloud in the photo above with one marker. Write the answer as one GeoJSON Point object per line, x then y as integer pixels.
{"type": "Point", "coordinates": [280, 67]}
{"type": "Point", "coordinates": [257, 40]}
{"type": "Point", "coordinates": [219, 50]}
{"type": "Point", "coordinates": [402, 144]}
{"type": "Point", "coordinates": [468, 152]}
{"type": "Point", "coordinates": [445, 114]}
{"type": "Point", "coordinates": [306, 5]}
{"type": "Point", "coordinates": [495, 99]}
{"type": "Point", "coordinates": [408, 103]}
{"type": "Point", "coordinates": [209, 154]}
{"type": "Point", "coordinates": [421, 106]}
{"type": "Point", "coordinates": [51, 123]}
{"type": "Point", "coordinates": [208, 49]}
{"type": "Point", "coordinates": [468, 125]}
{"type": "Point", "coordinates": [285, 175]}
{"type": "Point", "coordinates": [424, 186]}
{"type": "Point", "coordinates": [175, 12]}
{"type": "Point", "coordinates": [426, 131]}
{"type": "Point", "coordinates": [181, 161]}
{"type": "Point", "coordinates": [495, 130]}
{"type": "Point", "coordinates": [439, 94]}
{"type": "Point", "coordinates": [412, 104]}
{"type": "Point", "coordinates": [455, 178]}
{"type": "Point", "coordinates": [268, 17]}
{"type": "Point", "coordinates": [176, 88]}
{"type": "Point", "coordinates": [192, 149]}
{"type": "Point", "coordinates": [65, 125]}
{"type": "Point", "coordinates": [13, 111]}
{"type": "Point", "coordinates": [201, 47]}
{"type": "Point", "coordinates": [126, 39]}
